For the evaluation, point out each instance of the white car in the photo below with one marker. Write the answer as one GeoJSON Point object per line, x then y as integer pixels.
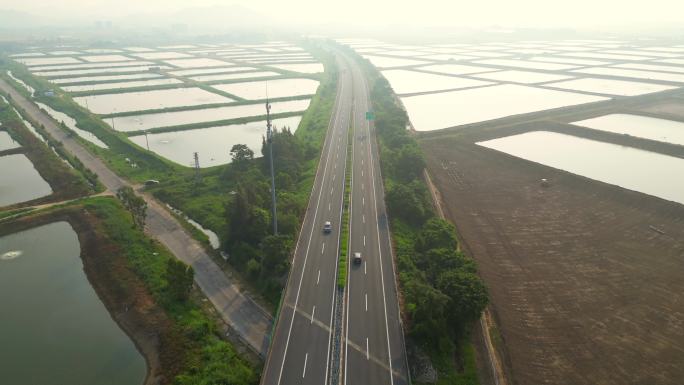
{"type": "Point", "coordinates": [327, 227]}
{"type": "Point", "coordinates": [357, 258]}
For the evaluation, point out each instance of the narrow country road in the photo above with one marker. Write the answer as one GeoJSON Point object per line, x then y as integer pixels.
{"type": "Point", "coordinates": [240, 312]}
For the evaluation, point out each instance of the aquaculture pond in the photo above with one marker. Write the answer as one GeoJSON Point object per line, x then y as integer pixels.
{"type": "Point", "coordinates": [54, 329]}
{"type": "Point", "coordinates": [634, 169]}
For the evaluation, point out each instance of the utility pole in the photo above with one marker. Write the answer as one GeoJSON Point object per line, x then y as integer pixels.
{"type": "Point", "coordinates": [269, 140]}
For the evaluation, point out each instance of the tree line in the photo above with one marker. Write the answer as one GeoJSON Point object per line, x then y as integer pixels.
{"type": "Point", "coordinates": [443, 295]}
{"type": "Point", "coordinates": [252, 247]}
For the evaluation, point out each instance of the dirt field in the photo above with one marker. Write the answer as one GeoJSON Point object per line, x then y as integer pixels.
{"type": "Point", "coordinates": [586, 279]}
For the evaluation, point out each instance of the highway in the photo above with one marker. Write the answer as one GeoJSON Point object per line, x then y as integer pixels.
{"type": "Point", "coordinates": [375, 352]}
{"type": "Point", "coordinates": [302, 340]}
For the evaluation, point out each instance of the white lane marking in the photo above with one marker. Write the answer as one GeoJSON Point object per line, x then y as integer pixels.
{"type": "Point", "coordinates": [362, 162]}
{"type": "Point", "coordinates": [364, 240]}
{"type": "Point", "coordinates": [334, 175]}
{"type": "Point", "coordinates": [331, 190]}
{"type": "Point", "coordinates": [306, 255]}
{"type": "Point", "coordinates": [306, 358]}
{"type": "Point", "coordinates": [363, 216]}
{"type": "Point", "coordinates": [361, 175]}
{"type": "Point", "coordinates": [363, 201]}
{"type": "Point", "coordinates": [363, 186]}
{"type": "Point", "coordinates": [328, 207]}
{"type": "Point", "coordinates": [366, 302]}
{"type": "Point", "coordinates": [312, 313]}
{"type": "Point", "coordinates": [323, 248]}
{"type": "Point", "coordinates": [367, 352]}
{"type": "Point", "coordinates": [337, 156]}
{"type": "Point", "coordinates": [364, 268]}
{"type": "Point", "coordinates": [318, 279]}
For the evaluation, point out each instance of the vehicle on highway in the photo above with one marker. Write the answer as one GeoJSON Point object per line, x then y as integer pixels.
{"type": "Point", "coordinates": [357, 258]}
{"type": "Point", "coordinates": [327, 227]}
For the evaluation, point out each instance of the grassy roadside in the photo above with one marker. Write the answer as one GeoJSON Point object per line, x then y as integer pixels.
{"type": "Point", "coordinates": [343, 264]}
{"type": "Point", "coordinates": [442, 295]}
{"type": "Point", "coordinates": [182, 343]}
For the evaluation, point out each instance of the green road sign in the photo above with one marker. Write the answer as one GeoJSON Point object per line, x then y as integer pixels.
{"type": "Point", "coordinates": [370, 115]}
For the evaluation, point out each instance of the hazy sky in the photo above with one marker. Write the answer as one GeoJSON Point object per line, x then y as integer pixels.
{"type": "Point", "coordinates": [533, 13]}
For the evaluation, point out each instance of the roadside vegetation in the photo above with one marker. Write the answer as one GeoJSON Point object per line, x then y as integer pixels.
{"type": "Point", "coordinates": [442, 294]}
{"type": "Point", "coordinates": [204, 357]}
{"type": "Point", "coordinates": [234, 200]}
{"type": "Point", "coordinates": [164, 313]}
{"type": "Point", "coordinates": [342, 265]}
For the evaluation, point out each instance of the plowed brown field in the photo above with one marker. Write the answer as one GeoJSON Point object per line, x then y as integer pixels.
{"type": "Point", "coordinates": [586, 279]}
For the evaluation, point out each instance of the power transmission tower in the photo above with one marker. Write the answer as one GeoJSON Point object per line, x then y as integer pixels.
{"type": "Point", "coordinates": [269, 140]}
{"type": "Point", "coordinates": [198, 177]}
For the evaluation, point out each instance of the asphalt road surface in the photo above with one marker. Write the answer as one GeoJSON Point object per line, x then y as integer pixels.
{"type": "Point", "coordinates": [241, 313]}
{"type": "Point", "coordinates": [300, 349]}
{"type": "Point", "coordinates": [375, 352]}
{"type": "Point", "coordinates": [301, 345]}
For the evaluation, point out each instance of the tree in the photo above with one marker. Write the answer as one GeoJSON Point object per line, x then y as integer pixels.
{"type": "Point", "coordinates": [409, 162]}
{"type": "Point", "coordinates": [435, 261]}
{"type": "Point", "coordinates": [403, 202]}
{"type": "Point", "coordinates": [241, 156]}
{"type": "Point", "coordinates": [437, 233]}
{"type": "Point", "coordinates": [467, 293]}
{"type": "Point", "coordinates": [134, 204]}
{"type": "Point", "coordinates": [179, 278]}
{"type": "Point", "coordinates": [427, 308]}
{"type": "Point", "coordinates": [275, 250]}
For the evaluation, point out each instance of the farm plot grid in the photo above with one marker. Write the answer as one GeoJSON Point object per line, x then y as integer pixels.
{"type": "Point", "coordinates": [139, 90]}
{"type": "Point", "coordinates": [583, 275]}
{"type": "Point", "coordinates": [574, 72]}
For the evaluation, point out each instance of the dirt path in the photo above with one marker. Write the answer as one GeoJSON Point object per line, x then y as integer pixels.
{"type": "Point", "coordinates": [240, 312]}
